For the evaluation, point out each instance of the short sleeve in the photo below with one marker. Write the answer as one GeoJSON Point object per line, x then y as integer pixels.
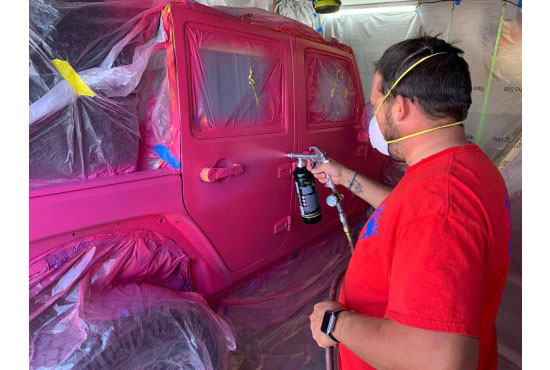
{"type": "Point", "coordinates": [437, 276]}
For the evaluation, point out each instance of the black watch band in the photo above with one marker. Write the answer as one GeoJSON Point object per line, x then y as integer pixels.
{"type": "Point", "coordinates": [329, 323]}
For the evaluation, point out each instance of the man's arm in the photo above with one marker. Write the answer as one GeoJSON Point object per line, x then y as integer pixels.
{"type": "Point", "coordinates": [369, 190]}
{"type": "Point", "coordinates": [387, 344]}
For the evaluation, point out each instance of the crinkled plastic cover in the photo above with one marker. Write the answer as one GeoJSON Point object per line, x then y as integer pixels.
{"type": "Point", "coordinates": [500, 103]}
{"type": "Point", "coordinates": [121, 301]}
{"type": "Point", "coordinates": [236, 81]}
{"type": "Point", "coordinates": [331, 90]}
{"type": "Point", "coordinates": [270, 314]}
{"type": "Point", "coordinates": [120, 51]}
{"type": "Point", "coordinates": [270, 20]}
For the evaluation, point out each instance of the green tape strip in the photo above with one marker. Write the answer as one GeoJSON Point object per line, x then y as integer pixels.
{"type": "Point", "coordinates": [481, 125]}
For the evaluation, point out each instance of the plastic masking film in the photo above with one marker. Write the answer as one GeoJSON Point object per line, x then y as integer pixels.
{"type": "Point", "coordinates": [270, 313]}
{"type": "Point", "coordinates": [261, 4]}
{"type": "Point", "coordinates": [331, 90]}
{"type": "Point", "coordinates": [115, 52]}
{"type": "Point", "coordinates": [275, 22]}
{"type": "Point", "coordinates": [473, 26]}
{"type": "Point", "coordinates": [121, 301]}
{"type": "Point", "coordinates": [236, 81]}
{"type": "Point", "coordinates": [300, 10]}
{"type": "Point", "coordinates": [121, 51]}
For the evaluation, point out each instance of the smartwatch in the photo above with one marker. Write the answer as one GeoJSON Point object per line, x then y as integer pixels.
{"type": "Point", "coordinates": [329, 323]}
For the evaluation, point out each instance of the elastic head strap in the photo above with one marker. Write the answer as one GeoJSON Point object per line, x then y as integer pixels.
{"type": "Point", "coordinates": [401, 77]}
{"type": "Point", "coordinates": [425, 131]}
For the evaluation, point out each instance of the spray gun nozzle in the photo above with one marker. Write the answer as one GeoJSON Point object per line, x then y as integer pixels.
{"type": "Point", "coordinates": [317, 157]}
{"type": "Point", "coordinates": [301, 158]}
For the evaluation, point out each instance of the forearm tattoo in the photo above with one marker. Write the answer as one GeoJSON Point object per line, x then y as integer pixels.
{"type": "Point", "coordinates": [356, 187]}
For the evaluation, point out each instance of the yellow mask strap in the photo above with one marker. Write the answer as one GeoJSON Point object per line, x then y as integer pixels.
{"type": "Point", "coordinates": [401, 77]}
{"type": "Point", "coordinates": [425, 131]}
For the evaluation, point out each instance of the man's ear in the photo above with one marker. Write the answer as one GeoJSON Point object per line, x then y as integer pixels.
{"type": "Point", "coordinates": [402, 108]}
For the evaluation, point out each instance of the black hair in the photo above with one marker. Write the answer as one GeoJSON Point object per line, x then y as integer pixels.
{"type": "Point", "coordinates": [441, 84]}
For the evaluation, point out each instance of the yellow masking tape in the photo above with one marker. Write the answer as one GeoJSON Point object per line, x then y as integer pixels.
{"type": "Point", "coordinates": [339, 73]}
{"type": "Point", "coordinates": [72, 77]}
{"type": "Point", "coordinates": [252, 82]}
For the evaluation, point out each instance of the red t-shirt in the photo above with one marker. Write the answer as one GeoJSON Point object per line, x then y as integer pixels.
{"type": "Point", "coordinates": [436, 252]}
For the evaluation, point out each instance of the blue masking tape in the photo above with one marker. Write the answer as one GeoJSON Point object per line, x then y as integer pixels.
{"type": "Point", "coordinates": [166, 155]}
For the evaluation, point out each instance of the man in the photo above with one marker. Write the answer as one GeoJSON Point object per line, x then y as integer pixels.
{"type": "Point", "coordinates": [424, 284]}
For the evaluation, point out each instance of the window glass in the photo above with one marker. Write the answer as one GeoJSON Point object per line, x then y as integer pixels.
{"type": "Point", "coordinates": [332, 95]}
{"type": "Point", "coordinates": [236, 82]}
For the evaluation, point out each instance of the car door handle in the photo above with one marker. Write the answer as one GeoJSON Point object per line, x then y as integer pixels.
{"type": "Point", "coordinates": [211, 174]}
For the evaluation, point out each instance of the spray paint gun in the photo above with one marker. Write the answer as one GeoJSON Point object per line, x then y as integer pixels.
{"type": "Point", "coordinates": [334, 199]}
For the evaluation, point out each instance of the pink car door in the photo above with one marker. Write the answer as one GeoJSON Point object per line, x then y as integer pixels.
{"type": "Point", "coordinates": [331, 105]}
{"type": "Point", "coordinates": [235, 95]}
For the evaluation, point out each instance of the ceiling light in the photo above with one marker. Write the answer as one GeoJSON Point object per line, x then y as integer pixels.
{"type": "Point", "coordinates": [370, 10]}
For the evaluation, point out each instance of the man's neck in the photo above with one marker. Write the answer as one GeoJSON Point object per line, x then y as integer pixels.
{"type": "Point", "coordinates": [420, 148]}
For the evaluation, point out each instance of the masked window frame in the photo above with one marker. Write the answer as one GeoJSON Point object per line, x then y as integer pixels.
{"type": "Point", "coordinates": [355, 109]}
{"type": "Point", "coordinates": [244, 130]}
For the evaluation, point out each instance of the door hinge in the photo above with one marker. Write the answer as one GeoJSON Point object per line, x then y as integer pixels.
{"type": "Point", "coordinates": [284, 171]}
{"type": "Point", "coordinates": [361, 150]}
{"type": "Point", "coordinates": [283, 225]}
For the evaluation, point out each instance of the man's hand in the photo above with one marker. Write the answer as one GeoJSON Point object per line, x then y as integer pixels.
{"type": "Point", "coordinates": [317, 319]}
{"type": "Point", "coordinates": [339, 173]}
{"type": "Point", "coordinates": [369, 190]}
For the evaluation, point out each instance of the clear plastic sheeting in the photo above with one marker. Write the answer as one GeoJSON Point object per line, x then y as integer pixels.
{"type": "Point", "coordinates": [331, 90]}
{"type": "Point", "coordinates": [121, 301]}
{"type": "Point", "coordinates": [273, 21]}
{"type": "Point", "coordinates": [270, 20]}
{"type": "Point", "coordinates": [121, 52]}
{"type": "Point", "coordinates": [509, 319]}
{"type": "Point", "coordinates": [270, 314]}
{"type": "Point", "coordinates": [474, 26]}
{"type": "Point", "coordinates": [498, 132]}
{"type": "Point", "coordinates": [368, 35]}
{"type": "Point", "coordinates": [300, 10]}
{"type": "Point", "coordinates": [237, 81]}
{"type": "Point", "coordinates": [118, 50]}
{"type": "Point", "coordinates": [510, 168]}
{"type": "Point", "coordinates": [261, 4]}
{"type": "Point", "coordinates": [92, 137]}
